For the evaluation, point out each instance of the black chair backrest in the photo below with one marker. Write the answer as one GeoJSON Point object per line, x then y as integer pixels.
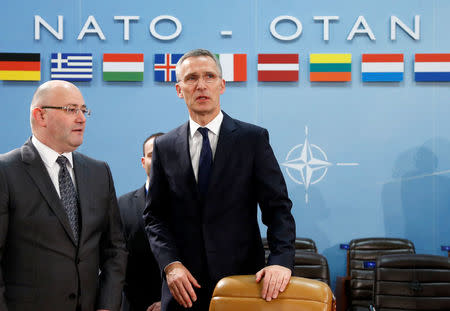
{"type": "Point", "coordinates": [362, 253]}
{"type": "Point", "coordinates": [412, 282]}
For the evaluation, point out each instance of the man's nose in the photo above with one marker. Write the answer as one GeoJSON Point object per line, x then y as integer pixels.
{"type": "Point", "coordinates": [81, 117]}
{"type": "Point", "coordinates": [201, 83]}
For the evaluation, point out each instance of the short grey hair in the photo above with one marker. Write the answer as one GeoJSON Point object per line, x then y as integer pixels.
{"type": "Point", "coordinates": [197, 53]}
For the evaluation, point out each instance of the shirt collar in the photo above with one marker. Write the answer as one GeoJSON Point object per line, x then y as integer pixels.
{"type": "Point", "coordinates": [213, 126]}
{"type": "Point", "coordinates": [48, 155]}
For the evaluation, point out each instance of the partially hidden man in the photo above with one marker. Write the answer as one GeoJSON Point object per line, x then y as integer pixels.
{"type": "Point", "coordinates": [207, 178]}
{"type": "Point", "coordinates": [61, 241]}
{"type": "Point", "coordinates": [143, 281]}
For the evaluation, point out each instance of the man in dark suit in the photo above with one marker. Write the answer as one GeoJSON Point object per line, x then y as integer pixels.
{"type": "Point", "coordinates": [143, 281]}
{"type": "Point", "coordinates": [61, 241]}
{"type": "Point", "coordinates": [207, 178]}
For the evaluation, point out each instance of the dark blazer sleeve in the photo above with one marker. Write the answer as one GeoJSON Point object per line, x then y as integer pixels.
{"type": "Point", "coordinates": [113, 255]}
{"type": "Point", "coordinates": [3, 230]}
{"type": "Point", "coordinates": [161, 240]}
{"type": "Point", "coordinates": [275, 204]}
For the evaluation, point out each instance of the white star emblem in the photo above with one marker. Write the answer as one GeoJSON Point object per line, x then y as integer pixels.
{"type": "Point", "coordinates": [310, 162]}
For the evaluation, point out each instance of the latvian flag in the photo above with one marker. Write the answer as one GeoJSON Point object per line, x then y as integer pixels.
{"type": "Point", "coordinates": [382, 67]}
{"type": "Point", "coordinates": [432, 67]}
{"type": "Point", "coordinates": [234, 67]}
{"type": "Point", "coordinates": [330, 67]}
{"type": "Point", "coordinates": [20, 66]}
{"type": "Point", "coordinates": [278, 67]}
{"type": "Point", "coordinates": [123, 67]}
{"type": "Point", "coordinates": [71, 66]}
{"type": "Point", "coordinates": [165, 65]}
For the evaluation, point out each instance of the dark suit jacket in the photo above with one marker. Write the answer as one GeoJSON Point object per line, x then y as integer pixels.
{"type": "Point", "coordinates": [219, 235]}
{"type": "Point", "coordinates": [41, 266]}
{"type": "Point", "coordinates": [143, 280]}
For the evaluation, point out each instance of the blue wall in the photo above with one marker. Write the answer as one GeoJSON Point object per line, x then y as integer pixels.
{"type": "Point", "coordinates": [397, 133]}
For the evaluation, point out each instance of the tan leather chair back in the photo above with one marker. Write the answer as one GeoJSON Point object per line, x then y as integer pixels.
{"type": "Point", "coordinates": [242, 293]}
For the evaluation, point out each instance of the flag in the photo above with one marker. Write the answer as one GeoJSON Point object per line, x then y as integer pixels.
{"type": "Point", "coordinates": [71, 66]}
{"type": "Point", "coordinates": [165, 65]}
{"type": "Point", "coordinates": [278, 67]}
{"type": "Point", "coordinates": [432, 67]}
{"type": "Point", "coordinates": [234, 66]}
{"type": "Point", "coordinates": [382, 67]}
{"type": "Point", "coordinates": [20, 66]}
{"type": "Point", "coordinates": [123, 67]}
{"type": "Point", "coordinates": [330, 67]}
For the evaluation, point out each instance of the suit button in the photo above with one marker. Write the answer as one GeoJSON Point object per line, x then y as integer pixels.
{"type": "Point", "coordinates": [72, 296]}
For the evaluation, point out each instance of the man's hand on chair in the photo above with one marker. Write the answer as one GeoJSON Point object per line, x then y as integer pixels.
{"type": "Point", "coordinates": [275, 279]}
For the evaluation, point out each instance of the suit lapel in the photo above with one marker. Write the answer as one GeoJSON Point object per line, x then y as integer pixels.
{"type": "Point", "coordinates": [83, 188]}
{"type": "Point", "coordinates": [38, 172]}
{"type": "Point", "coordinates": [224, 148]}
{"type": "Point", "coordinates": [184, 157]}
{"type": "Point", "coordinates": [139, 196]}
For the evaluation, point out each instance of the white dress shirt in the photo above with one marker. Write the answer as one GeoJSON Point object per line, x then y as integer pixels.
{"type": "Point", "coordinates": [49, 157]}
{"type": "Point", "coordinates": [196, 139]}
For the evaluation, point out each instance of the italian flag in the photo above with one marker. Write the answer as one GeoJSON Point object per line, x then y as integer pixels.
{"type": "Point", "coordinates": [123, 67]}
{"type": "Point", "coordinates": [234, 66]}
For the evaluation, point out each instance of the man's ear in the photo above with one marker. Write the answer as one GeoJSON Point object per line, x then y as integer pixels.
{"type": "Point", "coordinates": [222, 87]}
{"type": "Point", "coordinates": [179, 92]}
{"type": "Point", "coordinates": [143, 162]}
{"type": "Point", "coordinates": [40, 116]}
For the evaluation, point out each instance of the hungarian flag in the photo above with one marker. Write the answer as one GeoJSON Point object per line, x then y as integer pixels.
{"type": "Point", "coordinates": [234, 67]}
{"type": "Point", "coordinates": [330, 67]}
{"type": "Point", "coordinates": [123, 67]}
{"type": "Point", "coordinates": [382, 67]}
{"type": "Point", "coordinates": [278, 67]}
{"type": "Point", "coordinates": [20, 66]}
{"type": "Point", "coordinates": [432, 67]}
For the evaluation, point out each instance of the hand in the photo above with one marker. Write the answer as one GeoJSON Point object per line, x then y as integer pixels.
{"type": "Point", "coordinates": [180, 282]}
{"type": "Point", "coordinates": [276, 278]}
{"type": "Point", "coordinates": [156, 306]}
{"type": "Point", "coordinates": [102, 310]}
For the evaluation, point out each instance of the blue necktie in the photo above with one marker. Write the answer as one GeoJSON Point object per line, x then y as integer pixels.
{"type": "Point", "coordinates": [205, 162]}
{"type": "Point", "coordinates": [68, 194]}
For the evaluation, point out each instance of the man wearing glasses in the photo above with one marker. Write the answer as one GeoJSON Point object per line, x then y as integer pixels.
{"type": "Point", "coordinates": [61, 241]}
{"type": "Point", "coordinates": [207, 178]}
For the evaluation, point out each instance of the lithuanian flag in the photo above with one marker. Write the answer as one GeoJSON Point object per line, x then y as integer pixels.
{"type": "Point", "coordinates": [330, 67]}
{"type": "Point", "coordinates": [20, 66]}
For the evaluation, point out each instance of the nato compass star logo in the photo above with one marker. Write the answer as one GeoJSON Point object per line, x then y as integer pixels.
{"type": "Point", "coordinates": [307, 164]}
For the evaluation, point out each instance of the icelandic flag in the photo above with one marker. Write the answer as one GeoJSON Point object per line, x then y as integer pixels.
{"type": "Point", "coordinates": [71, 66]}
{"type": "Point", "coordinates": [165, 65]}
{"type": "Point", "coordinates": [432, 67]}
{"type": "Point", "coordinates": [382, 67]}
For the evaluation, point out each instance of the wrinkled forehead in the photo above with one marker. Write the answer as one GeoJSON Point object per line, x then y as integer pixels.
{"type": "Point", "coordinates": [198, 65]}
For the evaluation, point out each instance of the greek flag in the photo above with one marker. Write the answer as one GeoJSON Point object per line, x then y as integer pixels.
{"type": "Point", "coordinates": [71, 66]}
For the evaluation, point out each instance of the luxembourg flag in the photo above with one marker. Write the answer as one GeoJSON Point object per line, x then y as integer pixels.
{"type": "Point", "coordinates": [382, 67]}
{"type": "Point", "coordinates": [432, 67]}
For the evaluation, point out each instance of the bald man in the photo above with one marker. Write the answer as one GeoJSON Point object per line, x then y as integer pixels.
{"type": "Point", "coordinates": [61, 241]}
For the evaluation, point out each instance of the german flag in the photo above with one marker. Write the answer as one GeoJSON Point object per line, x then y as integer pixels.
{"type": "Point", "coordinates": [20, 66]}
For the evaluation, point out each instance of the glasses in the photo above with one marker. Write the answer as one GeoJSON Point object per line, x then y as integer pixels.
{"type": "Point", "coordinates": [193, 79]}
{"type": "Point", "coordinates": [71, 110]}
